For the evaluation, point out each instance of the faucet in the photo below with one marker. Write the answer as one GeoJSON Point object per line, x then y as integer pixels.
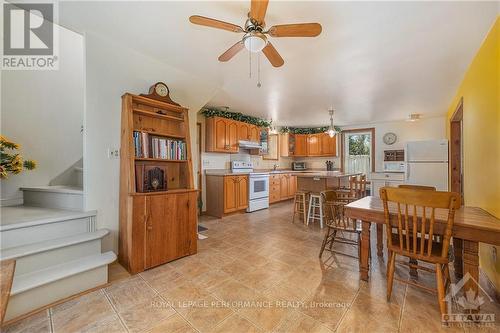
{"type": "Point", "coordinates": [276, 166]}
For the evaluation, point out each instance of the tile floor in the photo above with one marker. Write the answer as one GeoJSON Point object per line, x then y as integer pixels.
{"type": "Point", "coordinates": [255, 273]}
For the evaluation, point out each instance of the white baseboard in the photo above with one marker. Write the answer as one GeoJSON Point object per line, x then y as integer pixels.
{"type": "Point", "coordinates": [12, 201]}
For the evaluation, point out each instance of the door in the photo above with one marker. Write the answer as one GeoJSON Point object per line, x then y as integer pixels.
{"type": "Point", "coordinates": [428, 174]}
{"type": "Point", "coordinates": [300, 145]}
{"type": "Point", "coordinates": [254, 133]}
{"type": "Point", "coordinates": [427, 151]}
{"type": "Point", "coordinates": [284, 186]}
{"type": "Point", "coordinates": [314, 146]}
{"type": "Point", "coordinates": [230, 194]}
{"type": "Point", "coordinates": [328, 145]}
{"type": "Point", "coordinates": [244, 131]}
{"type": "Point", "coordinates": [232, 135]}
{"type": "Point", "coordinates": [456, 151]}
{"type": "Point", "coordinates": [159, 218]}
{"type": "Point", "coordinates": [242, 188]}
{"type": "Point", "coordinates": [292, 185]}
{"type": "Point", "coordinates": [221, 134]}
{"type": "Point", "coordinates": [358, 151]}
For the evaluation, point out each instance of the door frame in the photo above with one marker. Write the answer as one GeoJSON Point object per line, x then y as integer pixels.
{"type": "Point", "coordinates": [200, 173]}
{"type": "Point", "coordinates": [456, 150]}
{"type": "Point", "coordinates": [357, 130]}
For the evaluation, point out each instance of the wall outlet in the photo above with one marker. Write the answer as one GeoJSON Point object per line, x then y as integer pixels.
{"type": "Point", "coordinates": [113, 153]}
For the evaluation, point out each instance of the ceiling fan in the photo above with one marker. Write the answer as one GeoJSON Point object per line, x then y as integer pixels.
{"type": "Point", "coordinates": [254, 38]}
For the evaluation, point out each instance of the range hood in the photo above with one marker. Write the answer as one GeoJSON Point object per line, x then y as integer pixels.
{"type": "Point", "coordinates": [249, 144]}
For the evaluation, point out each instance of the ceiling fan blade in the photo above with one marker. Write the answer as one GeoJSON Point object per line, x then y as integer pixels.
{"type": "Point", "coordinates": [296, 30]}
{"type": "Point", "coordinates": [209, 22]}
{"type": "Point", "coordinates": [272, 55]}
{"type": "Point", "coordinates": [231, 52]}
{"type": "Point", "coordinates": [258, 10]}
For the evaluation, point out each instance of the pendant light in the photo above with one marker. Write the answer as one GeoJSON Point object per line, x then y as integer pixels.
{"type": "Point", "coordinates": [331, 129]}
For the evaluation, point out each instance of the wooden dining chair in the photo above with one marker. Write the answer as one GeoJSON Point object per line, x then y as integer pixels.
{"type": "Point", "coordinates": [357, 188]}
{"type": "Point", "coordinates": [414, 212]}
{"type": "Point", "coordinates": [338, 225]}
{"type": "Point", "coordinates": [413, 263]}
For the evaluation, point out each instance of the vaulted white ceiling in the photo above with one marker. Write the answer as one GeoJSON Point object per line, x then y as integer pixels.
{"type": "Point", "coordinates": [374, 61]}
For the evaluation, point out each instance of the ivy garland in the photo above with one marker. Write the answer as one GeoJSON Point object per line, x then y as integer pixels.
{"type": "Point", "coordinates": [209, 113]}
{"type": "Point", "coordinates": [307, 130]}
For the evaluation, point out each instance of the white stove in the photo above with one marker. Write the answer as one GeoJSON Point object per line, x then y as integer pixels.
{"type": "Point", "coordinates": [258, 185]}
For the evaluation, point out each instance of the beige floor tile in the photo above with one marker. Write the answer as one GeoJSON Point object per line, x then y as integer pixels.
{"type": "Point", "coordinates": [264, 312]}
{"type": "Point", "coordinates": [234, 292]}
{"type": "Point", "coordinates": [38, 322]}
{"type": "Point", "coordinates": [193, 269]}
{"type": "Point", "coordinates": [212, 279]}
{"type": "Point", "coordinates": [163, 278]}
{"type": "Point", "coordinates": [236, 323]}
{"type": "Point", "coordinates": [259, 279]}
{"type": "Point", "coordinates": [109, 324]}
{"type": "Point", "coordinates": [206, 314]}
{"type": "Point", "coordinates": [144, 316]}
{"type": "Point", "coordinates": [297, 322]}
{"type": "Point", "coordinates": [173, 324]}
{"type": "Point", "coordinates": [184, 294]}
{"type": "Point", "coordinates": [68, 317]}
{"type": "Point", "coordinates": [287, 292]}
{"type": "Point", "coordinates": [129, 292]}
{"type": "Point", "coordinates": [236, 268]}
{"type": "Point", "coordinates": [369, 315]}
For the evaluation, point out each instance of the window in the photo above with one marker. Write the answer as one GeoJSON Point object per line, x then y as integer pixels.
{"type": "Point", "coordinates": [358, 151]}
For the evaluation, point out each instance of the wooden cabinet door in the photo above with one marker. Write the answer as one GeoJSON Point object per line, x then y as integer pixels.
{"type": "Point", "coordinates": [232, 135]}
{"type": "Point", "coordinates": [220, 135]}
{"type": "Point", "coordinates": [159, 220]}
{"type": "Point", "coordinates": [230, 194]}
{"type": "Point", "coordinates": [243, 131]}
{"type": "Point", "coordinates": [254, 133]}
{"type": "Point", "coordinates": [284, 186]}
{"type": "Point", "coordinates": [313, 145]}
{"type": "Point", "coordinates": [292, 185]}
{"type": "Point", "coordinates": [300, 145]}
{"type": "Point", "coordinates": [328, 145]}
{"type": "Point", "coordinates": [242, 192]}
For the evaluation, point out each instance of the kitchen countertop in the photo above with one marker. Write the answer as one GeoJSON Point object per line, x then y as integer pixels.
{"type": "Point", "coordinates": [327, 174]}
{"type": "Point", "coordinates": [312, 172]}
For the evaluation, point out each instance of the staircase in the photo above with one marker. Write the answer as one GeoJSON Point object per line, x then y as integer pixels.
{"type": "Point", "coordinates": [56, 246]}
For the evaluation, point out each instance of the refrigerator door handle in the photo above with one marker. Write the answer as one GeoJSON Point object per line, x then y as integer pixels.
{"type": "Point", "coordinates": [408, 171]}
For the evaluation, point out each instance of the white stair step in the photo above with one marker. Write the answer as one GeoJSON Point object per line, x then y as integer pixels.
{"type": "Point", "coordinates": [36, 256]}
{"type": "Point", "coordinates": [57, 196]}
{"type": "Point", "coordinates": [21, 225]}
{"type": "Point", "coordinates": [78, 169]}
{"type": "Point", "coordinates": [37, 289]}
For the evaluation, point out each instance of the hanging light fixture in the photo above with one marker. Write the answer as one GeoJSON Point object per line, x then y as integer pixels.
{"type": "Point", "coordinates": [331, 131]}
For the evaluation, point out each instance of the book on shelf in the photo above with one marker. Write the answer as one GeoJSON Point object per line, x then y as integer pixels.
{"type": "Point", "coordinates": [151, 146]}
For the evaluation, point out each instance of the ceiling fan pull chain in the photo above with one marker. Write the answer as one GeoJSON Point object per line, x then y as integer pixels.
{"type": "Point", "coordinates": [258, 71]}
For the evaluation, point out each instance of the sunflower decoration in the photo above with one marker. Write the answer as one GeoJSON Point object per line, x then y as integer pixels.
{"type": "Point", "coordinates": [10, 160]}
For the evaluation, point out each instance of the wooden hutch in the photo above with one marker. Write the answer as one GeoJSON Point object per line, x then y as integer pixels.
{"type": "Point", "coordinates": [160, 225]}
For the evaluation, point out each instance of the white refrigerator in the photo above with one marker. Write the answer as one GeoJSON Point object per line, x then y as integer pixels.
{"type": "Point", "coordinates": [427, 163]}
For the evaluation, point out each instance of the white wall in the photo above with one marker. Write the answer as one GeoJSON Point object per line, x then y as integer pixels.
{"type": "Point", "coordinates": [424, 129]}
{"type": "Point", "coordinates": [113, 70]}
{"type": "Point", "coordinates": [43, 111]}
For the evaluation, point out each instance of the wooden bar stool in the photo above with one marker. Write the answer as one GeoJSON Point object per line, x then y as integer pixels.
{"type": "Point", "coordinates": [315, 205]}
{"type": "Point", "coordinates": [300, 205]}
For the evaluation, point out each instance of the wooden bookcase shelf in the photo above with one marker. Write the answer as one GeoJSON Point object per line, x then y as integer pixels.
{"type": "Point", "coordinates": [155, 227]}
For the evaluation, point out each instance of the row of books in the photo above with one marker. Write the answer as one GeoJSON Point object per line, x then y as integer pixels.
{"type": "Point", "coordinates": [150, 146]}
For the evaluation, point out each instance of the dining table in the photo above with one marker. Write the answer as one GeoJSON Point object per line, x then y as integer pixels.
{"type": "Point", "coordinates": [472, 225]}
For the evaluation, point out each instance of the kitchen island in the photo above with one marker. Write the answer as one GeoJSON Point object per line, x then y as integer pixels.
{"type": "Point", "coordinates": [317, 181]}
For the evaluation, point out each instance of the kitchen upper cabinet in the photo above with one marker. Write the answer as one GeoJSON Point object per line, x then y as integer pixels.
{"type": "Point", "coordinates": [221, 135]}
{"type": "Point", "coordinates": [254, 133]}
{"type": "Point", "coordinates": [314, 145]}
{"type": "Point", "coordinates": [301, 144]}
{"type": "Point", "coordinates": [328, 145]}
{"type": "Point", "coordinates": [244, 131]}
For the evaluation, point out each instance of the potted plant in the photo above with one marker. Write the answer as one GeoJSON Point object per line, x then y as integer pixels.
{"type": "Point", "coordinates": [11, 161]}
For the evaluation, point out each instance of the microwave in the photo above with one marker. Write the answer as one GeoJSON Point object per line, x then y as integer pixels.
{"type": "Point", "coordinates": [394, 166]}
{"type": "Point", "coordinates": [298, 166]}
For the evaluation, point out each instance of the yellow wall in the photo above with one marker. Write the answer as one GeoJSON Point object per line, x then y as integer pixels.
{"type": "Point", "coordinates": [480, 90]}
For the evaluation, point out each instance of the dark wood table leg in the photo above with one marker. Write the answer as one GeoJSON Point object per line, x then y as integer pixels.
{"type": "Point", "coordinates": [380, 240]}
{"type": "Point", "coordinates": [471, 263]}
{"type": "Point", "coordinates": [365, 251]}
{"type": "Point", "coordinates": [458, 254]}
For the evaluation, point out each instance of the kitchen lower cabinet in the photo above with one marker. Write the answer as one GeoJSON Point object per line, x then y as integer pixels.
{"type": "Point", "coordinates": [226, 194]}
{"type": "Point", "coordinates": [282, 187]}
{"type": "Point", "coordinates": [385, 179]}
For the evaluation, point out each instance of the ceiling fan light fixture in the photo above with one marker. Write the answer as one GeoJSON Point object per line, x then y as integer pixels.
{"type": "Point", "coordinates": [255, 41]}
